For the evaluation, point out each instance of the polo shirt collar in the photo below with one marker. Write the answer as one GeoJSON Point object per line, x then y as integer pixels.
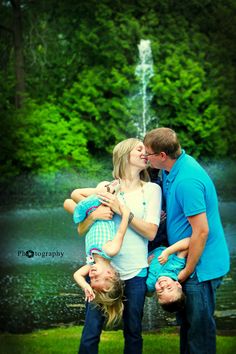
{"type": "Point", "coordinates": [175, 168]}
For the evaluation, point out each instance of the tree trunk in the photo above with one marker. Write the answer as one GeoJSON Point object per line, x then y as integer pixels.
{"type": "Point", "coordinates": [19, 59]}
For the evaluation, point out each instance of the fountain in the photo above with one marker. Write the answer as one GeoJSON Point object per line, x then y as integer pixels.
{"type": "Point", "coordinates": [144, 72]}
{"type": "Point", "coordinates": [40, 248]}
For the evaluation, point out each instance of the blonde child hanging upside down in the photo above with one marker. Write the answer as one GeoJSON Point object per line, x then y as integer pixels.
{"type": "Point", "coordinates": [102, 242]}
{"type": "Point", "coordinates": [165, 265]}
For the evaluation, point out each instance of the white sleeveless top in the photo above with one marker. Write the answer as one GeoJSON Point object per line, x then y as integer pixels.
{"type": "Point", "coordinates": [132, 257]}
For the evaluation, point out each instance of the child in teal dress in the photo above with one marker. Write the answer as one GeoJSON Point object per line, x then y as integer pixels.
{"type": "Point", "coordinates": [102, 242]}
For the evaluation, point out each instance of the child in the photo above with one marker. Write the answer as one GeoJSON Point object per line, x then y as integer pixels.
{"type": "Point", "coordinates": [102, 242]}
{"type": "Point", "coordinates": [164, 268]}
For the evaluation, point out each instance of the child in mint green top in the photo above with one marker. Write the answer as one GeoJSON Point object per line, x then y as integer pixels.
{"type": "Point", "coordinates": [165, 265]}
{"type": "Point", "coordinates": [103, 241]}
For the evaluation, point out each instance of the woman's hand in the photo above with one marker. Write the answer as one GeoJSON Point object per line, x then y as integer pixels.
{"type": "Point", "coordinates": [102, 213]}
{"type": "Point", "coordinates": [111, 201]}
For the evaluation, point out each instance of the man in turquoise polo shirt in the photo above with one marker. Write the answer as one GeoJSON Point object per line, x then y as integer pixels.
{"type": "Point", "coordinates": [192, 211]}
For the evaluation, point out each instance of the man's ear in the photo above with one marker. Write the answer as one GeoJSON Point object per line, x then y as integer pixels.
{"type": "Point", "coordinates": [163, 155]}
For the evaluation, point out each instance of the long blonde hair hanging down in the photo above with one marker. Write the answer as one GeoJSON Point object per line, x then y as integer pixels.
{"type": "Point", "coordinates": [111, 301]}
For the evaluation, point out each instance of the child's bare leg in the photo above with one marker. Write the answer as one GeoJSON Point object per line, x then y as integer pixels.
{"type": "Point", "coordinates": [81, 193]}
{"type": "Point", "coordinates": [69, 205]}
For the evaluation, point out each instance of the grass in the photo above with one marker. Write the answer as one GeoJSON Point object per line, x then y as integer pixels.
{"type": "Point", "coordinates": [65, 340]}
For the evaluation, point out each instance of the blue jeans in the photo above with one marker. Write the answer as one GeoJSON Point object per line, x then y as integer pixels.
{"type": "Point", "coordinates": [134, 292]}
{"type": "Point", "coordinates": [197, 324]}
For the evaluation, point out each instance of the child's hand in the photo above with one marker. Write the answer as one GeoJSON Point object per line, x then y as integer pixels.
{"type": "Point", "coordinates": [163, 257]}
{"type": "Point", "coordinates": [89, 294]}
{"type": "Point", "coordinates": [124, 210]}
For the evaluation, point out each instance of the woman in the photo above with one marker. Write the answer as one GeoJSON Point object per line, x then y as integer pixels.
{"type": "Point", "coordinates": [144, 200]}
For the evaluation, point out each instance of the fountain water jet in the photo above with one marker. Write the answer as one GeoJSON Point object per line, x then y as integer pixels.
{"type": "Point", "coordinates": [144, 71]}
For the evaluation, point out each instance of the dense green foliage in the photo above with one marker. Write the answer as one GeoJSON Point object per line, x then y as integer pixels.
{"type": "Point", "coordinates": [79, 62]}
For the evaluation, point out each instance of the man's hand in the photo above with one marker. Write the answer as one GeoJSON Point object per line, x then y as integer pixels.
{"type": "Point", "coordinates": [183, 275]}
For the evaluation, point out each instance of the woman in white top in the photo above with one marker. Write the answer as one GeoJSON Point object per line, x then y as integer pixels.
{"type": "Point", "coordinates": [143, 198]}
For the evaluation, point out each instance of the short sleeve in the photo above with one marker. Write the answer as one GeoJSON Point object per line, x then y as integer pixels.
{"type": "Point", "coordinates": [85, 207]}
{"type": "Point", "coordinates": [153, 195]}
{"type": "Point", "coordinates": [191, 196]}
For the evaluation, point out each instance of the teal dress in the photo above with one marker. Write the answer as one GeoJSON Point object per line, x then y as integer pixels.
{"type": "Point", "coordinates": [99, 233]}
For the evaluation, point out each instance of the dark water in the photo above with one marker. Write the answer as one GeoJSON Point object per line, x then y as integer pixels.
{"type": "Point", "coordinates": [37, 288]}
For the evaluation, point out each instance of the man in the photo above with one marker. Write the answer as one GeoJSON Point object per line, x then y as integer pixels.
{"type": "Point", "coordinates": [192, 210]}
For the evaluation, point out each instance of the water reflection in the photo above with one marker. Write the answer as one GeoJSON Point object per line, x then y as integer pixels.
{"type": "Point", "coordinates": [39, 291]}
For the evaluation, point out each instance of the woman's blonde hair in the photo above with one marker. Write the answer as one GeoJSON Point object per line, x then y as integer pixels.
{"type": "Point", "coordinates": [121, 154]}
{"type": "Point", "coordinates": [111, 301]}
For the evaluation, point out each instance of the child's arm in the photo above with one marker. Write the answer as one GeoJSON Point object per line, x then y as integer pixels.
{"type": "Point", "coordinates": [78, 194]}
{"type": "Point", "coordinates": [181, 245]}
{"type": "Point", "coordinates": [79, 277]}
{"type": "Point", "coordinates": [113, 247]}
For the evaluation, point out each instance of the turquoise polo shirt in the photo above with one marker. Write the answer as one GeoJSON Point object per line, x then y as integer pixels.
{"type": "Point", "coordinates": [170, 269]}
{"type": "Point", "coordinates": [189, 191]}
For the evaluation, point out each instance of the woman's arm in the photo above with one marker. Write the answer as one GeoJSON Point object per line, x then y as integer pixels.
{"type": "Point", "coordinates": [181, 245]}
{"type": "Point", "coordinates": [144, 228]}
{"type": "Point", "coordinates": [80, 278]}
{"type": "Point", "coordinates": [101, 213]}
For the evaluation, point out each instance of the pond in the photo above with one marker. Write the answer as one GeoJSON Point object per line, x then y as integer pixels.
{"type": "Point", "coordinates": [40, 250]}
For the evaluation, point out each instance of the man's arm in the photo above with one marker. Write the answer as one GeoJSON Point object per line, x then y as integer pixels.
{"type": "Point", "coordinates": [197, 243]}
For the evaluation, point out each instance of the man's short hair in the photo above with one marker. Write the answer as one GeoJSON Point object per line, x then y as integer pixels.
{"type": "Point", "coordinates": [163, 140]}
